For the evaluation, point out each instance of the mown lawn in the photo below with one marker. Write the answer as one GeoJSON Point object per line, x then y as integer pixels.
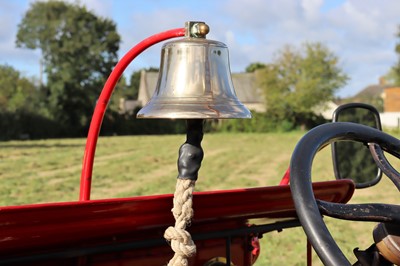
{"type": "Point", "coordinates": [49, 170]}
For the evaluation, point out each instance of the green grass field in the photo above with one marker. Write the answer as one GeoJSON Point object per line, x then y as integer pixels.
{"type": "Point", "coordinates": [49, 170]}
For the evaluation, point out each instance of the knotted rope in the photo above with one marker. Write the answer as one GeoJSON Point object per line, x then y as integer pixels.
{"type": "Point", "coordinates": [180, 239]}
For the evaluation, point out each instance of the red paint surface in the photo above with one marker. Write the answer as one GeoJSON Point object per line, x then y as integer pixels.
{"type": "Point", "coordinates": [286, 178]}
{"type": "Point", "coordinates": [56, 226]}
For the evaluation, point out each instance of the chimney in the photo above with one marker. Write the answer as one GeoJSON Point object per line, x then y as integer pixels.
{"type": "Point", "coordinates": [382, 81]}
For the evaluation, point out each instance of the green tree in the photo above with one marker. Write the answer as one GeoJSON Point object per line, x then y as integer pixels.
{"type": "Point", "coordinates": [254, 66]}
{"type": "Point", "coordinates": [119, 92]}
{"type": "Point", "coordinates": [79, 50]}
{"type": "Point", "coordinates": [395, 72]}
{"type": "Point", "coordinates": [134, 84]}
{"type": "Point", "coordinates": [300, 80]}
{"type": "Point", "coordinates": [390, 77]}
{"type": "Point", "coordinates": [17, 93]}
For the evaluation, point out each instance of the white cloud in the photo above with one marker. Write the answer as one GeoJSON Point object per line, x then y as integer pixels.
{"type": "Point", "coordinates": [24, 60]}
{"type": "Point", "coordinates": [361, 32]}
{"type": "Point", "coordinates": [311, 9]}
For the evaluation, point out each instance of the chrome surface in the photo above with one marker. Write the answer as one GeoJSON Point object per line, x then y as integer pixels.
{"type": "Point", "coordinates": [194, 82]}
{"type": "Point", "coordinates": [196, 29]}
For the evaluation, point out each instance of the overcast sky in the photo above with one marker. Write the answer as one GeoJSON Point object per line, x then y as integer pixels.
{"type": "Point", "coordinates": [362, 33]}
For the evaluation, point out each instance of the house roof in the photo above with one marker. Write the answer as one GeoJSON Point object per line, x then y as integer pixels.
{"type": "Point", "coordinates": [246, 88]}
{"type": "Point", "coordinates": [375, 90]}
{"type": "Point", "coordinates": [148, 83]}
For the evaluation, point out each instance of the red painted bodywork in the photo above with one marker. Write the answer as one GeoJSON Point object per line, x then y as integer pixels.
{"type": "Point", "coordinates": [47, 228]}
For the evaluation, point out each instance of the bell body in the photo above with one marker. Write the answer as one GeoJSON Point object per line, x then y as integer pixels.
{"type": "Point", "coordinates": [194, 82]}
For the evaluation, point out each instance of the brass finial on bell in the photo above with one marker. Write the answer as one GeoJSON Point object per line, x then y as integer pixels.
{"type": "Point", "coordinates": [194, 80]}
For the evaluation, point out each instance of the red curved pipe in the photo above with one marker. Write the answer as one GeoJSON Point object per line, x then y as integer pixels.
{"type": "Point", "coordinates": [286, 178]}
{"type": "Point", "coordinates": [98, 115]}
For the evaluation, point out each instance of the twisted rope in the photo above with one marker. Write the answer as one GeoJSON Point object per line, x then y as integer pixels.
{"type": "Point", "coordinates": [180, 239]}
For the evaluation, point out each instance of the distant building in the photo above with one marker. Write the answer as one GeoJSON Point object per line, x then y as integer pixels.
{"type": "Point", "coordinates": [326, 110]}
{"type": "Point", "coordinates": [384, 97]}
{"type": "Point", "coordinates": [148, 83]}
{"type": "Point", "coordinates": [391, 98]}
{"type": "Point", "coordinates": [371, 92]}
{"type": "Point", "coordinates": [128, 106]}
{"type": "Point", "coordinates": [391, 115]}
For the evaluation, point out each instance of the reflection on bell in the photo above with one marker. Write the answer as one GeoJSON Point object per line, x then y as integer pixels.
{"type": "Point", "coordinates": [194, 82]}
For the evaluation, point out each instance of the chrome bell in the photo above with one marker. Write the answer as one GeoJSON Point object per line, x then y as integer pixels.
{"type": "Point", "coordinates": [194, 82]}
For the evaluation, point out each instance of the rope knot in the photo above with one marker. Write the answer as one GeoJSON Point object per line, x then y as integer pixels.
{"type": "Point", "coordinates": [181, 241]}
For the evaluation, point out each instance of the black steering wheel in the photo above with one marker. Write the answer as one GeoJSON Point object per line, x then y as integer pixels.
{"type": "Point", "coordinates": [307, 207]}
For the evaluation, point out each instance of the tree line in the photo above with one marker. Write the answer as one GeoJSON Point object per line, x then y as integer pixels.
{"type": "Point", "coordinates": [79, 51]}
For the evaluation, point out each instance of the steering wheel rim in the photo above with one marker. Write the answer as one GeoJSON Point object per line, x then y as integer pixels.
{"type": "Point", "coordinates": [300, 180]}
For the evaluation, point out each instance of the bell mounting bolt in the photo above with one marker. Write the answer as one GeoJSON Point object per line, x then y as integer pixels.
{"type": "Point", "coordinates": [196, 29]}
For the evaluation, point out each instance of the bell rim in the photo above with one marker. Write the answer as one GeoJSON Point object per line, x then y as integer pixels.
{"type": "Point", "coordinates": [187, 111]}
